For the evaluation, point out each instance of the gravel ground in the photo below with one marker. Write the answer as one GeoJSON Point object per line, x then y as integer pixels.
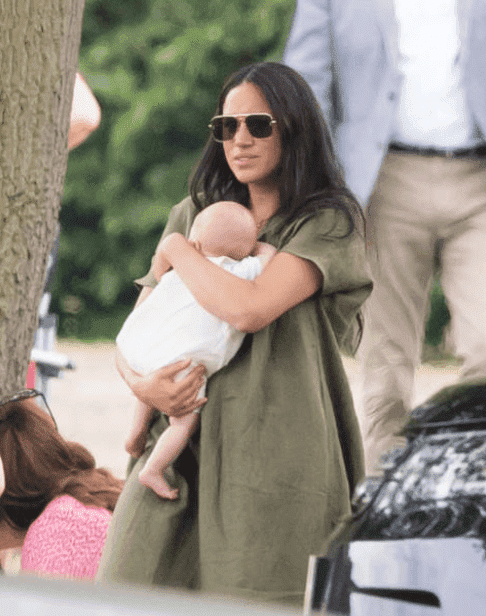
{"type": "Point", "coordinates": [93, 405]}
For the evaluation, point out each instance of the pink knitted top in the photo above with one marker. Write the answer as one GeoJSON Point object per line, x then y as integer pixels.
{"type": "Point", "coordinates": [66, 540]}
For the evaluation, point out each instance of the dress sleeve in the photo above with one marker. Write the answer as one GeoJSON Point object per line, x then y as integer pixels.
{"type": "Point", "coordinates": [341, 259]}
{"type": "Point", "coordinates": [180, 220]}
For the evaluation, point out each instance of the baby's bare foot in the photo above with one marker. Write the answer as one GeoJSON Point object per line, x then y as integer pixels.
{"type": "Point", "coordinates": [157, 483]}
{"type": "Point", "coordinates": [135, 444]}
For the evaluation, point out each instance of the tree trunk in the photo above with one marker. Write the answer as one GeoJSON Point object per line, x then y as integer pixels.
{"type": "Point", "coordinates": [39, 46]}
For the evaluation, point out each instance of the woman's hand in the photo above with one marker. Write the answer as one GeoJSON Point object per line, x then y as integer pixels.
{"type": "Point", "coordinates": [160, 265]}
{"type": "Point", "coordinates": [171, 245]}
{"type": "Point", "coordinates": [264, 252]}
{"type": "Point", "coordinates": [159, 389]}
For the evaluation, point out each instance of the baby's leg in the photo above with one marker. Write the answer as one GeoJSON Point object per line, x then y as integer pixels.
{"type": "Point", "coordinates": [166, 450]}
{"type": "Point", "coordinates": [135, 443]}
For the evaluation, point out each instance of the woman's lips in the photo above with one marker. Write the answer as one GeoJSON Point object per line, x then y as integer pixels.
{"type": "Point", "coordinates": [244, 160]}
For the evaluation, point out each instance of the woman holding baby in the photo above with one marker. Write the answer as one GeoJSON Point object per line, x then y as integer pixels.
{"type": "Point", "coordinates": [269, 473]}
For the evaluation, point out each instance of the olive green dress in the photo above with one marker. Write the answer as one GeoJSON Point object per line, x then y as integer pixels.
{"type": "Point", "coordinates": [270, 472]}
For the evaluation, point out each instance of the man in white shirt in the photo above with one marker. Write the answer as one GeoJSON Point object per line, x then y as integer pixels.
{"type": "Point", "coordinates": [402, 84]}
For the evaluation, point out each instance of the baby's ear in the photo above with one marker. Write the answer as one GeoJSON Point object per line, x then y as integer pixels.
{"type": "Point", "coordinates": [196, 244]}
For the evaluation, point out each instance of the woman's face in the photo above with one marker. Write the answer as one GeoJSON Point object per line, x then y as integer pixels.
{"type": "Point", "coordinates": [253, 161]}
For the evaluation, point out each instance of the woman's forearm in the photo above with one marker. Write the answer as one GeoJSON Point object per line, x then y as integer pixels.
{"type": "Point", "coordinates": [218, 291]}
{"type": "Point", "coordinates": [248, 305]}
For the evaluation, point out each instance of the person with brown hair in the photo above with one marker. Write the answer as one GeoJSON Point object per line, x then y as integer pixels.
{"type": "Point", "coordinates": [55, 504]}
{"type": "Point", "coordinates": [270, 472]}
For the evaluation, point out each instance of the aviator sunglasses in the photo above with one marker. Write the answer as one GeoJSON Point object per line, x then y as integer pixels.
{"type": "Point", "coordinates": [224, 127]}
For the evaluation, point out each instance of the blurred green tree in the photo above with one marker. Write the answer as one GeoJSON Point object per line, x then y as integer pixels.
{"type": "Point", "coordinates": [156, 67]}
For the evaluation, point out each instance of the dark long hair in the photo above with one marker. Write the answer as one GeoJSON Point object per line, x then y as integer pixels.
{"type": "Point", "coordinates": [40, 465]}
{"type": "Point", "coordinates": [310, 177]}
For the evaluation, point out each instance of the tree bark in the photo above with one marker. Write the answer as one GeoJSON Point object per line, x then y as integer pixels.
{"type": "Point", "coordinates": [39, 46]}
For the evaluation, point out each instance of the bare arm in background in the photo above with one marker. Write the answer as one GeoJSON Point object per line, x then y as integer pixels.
{"type": "Point", "coordinates": [85, 113]}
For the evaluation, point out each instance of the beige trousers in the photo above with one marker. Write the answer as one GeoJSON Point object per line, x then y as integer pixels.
{"type": "Point", "coordinates": [421, 208]}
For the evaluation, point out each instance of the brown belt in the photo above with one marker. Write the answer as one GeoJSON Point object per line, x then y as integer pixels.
{"type": "Point", "coordinates": [477, 152]}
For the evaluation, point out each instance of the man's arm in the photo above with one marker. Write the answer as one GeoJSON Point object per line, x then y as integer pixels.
{"type": "Point", "coordinates": [309, 50]}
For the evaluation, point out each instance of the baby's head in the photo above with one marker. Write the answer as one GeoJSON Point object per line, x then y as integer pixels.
{"type": "Point", "coordinates": [225, 228]}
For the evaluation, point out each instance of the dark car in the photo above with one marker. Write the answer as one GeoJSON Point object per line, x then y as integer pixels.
{"type": "Point", "coordinates": [416, 542]}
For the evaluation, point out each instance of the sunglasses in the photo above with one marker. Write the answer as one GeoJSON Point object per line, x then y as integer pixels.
{"type": "Point", "coordinates": [224, 127]}
{"type": "Point", "coordinates": [25, 394]}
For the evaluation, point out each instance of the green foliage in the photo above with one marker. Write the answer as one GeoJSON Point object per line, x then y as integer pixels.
{"type": "Point", "coordinates": [439, 316]}
{"type": "Point", "coordinates": [156, 67]}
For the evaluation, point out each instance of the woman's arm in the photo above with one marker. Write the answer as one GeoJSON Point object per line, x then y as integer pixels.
{"type": "Point", "coordinates": [248, 305]}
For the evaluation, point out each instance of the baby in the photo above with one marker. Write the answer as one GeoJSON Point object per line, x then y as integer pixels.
{"type": "Point", "coordinates": [170, 325]}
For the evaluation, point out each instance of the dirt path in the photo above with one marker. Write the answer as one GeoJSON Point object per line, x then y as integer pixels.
{"type": "Point", "coordinates": [94, 406]}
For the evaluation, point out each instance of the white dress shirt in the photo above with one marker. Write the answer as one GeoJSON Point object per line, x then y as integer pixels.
{"type": "Point", "coordinates": [432, 109]}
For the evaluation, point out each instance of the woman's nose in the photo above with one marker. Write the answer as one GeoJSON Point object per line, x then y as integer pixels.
{"type": "Point", "coordinates": [242, 134]}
